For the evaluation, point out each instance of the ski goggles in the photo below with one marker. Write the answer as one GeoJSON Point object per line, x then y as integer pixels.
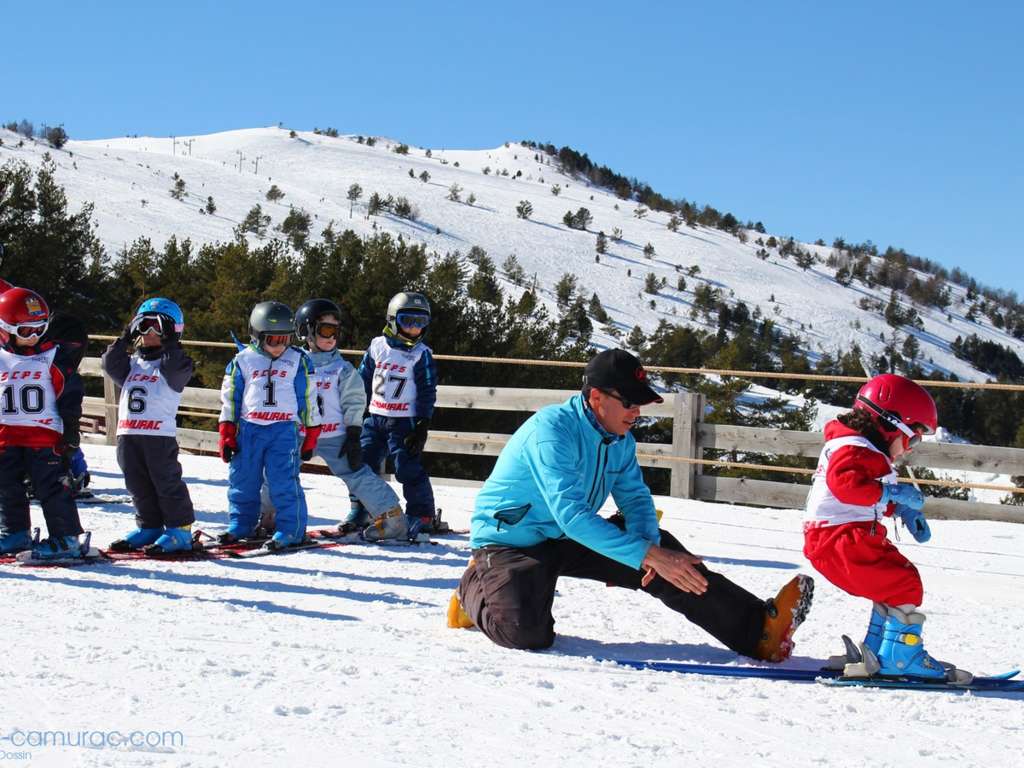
{"type": "Point", "coordinates": [413, 320]}
{"type": "Point", "coordinates": [27, 330]}
{"type": "Point", "coordinates": [276, 339]}
{"type": "Point", "coordinates": [150, 324]}
{"type": "Point", "coordinates": [626, 403]}
{"type": "Point", "coordinates": [911, 434]}
{"type": "Point", "coordinates": [328, 330]}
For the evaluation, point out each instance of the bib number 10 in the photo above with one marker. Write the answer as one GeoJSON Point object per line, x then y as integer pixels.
{"type": "Point", "coordinates": [29, 399]}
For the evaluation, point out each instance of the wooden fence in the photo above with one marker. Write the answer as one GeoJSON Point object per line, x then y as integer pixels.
{"type": "Point", "coordinates": [684, 457]}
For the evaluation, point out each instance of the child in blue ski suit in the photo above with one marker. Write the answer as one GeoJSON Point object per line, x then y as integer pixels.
{"type": "Point", "coordinates": [400, 378]}
{"type": "Point", "coordinates": [268, 393]}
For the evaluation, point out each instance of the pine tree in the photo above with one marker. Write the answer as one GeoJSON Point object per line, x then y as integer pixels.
{"type": "Point", "coordinates": [636, 340]}
{"type": "Point", "coordinates": [565, 288]}
{"type": "Point", "coordinates": [601, 246]}
{"type": "Point", "coordinates": [354, 193]}
{"type": "Point", "coordinates": [525, 209]}
{"type": "Point", "coordinates": [513, 270]}
{"type": "Point", "coordinates": [649, 251]}
{"type": "Point", "coordinates": [178, 190]}
{"type": "Point", "coordinates": [211, 207]}
{"type": "Point", "coordinates": [274, 193]}
{"type": "Point", "coordinates": [455, 192]}
{"type": "Point", "coordinates": [425, 177]}
{"type": "Point", "coordinates": [597, 310]}
{"type": "Point", "coordinates": [674, 222]}
{"type": "Point", "coordinates": [375, 204]}
{"type": "Point", "coordinates": [651, 283]}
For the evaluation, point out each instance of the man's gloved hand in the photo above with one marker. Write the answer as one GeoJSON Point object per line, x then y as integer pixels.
{"type": "Point", "coordinates": [416, 439]}
{"type": "Point", "coordinates": [309, 443]}
{"type": "Point", "coordinates": [915, 522]}
{"type": "Point", "coordinates": [902, 493]}
{"type": "Point", "coordinates": [351, 449]}
{"type": "Point", "coordinates": [228, 444]}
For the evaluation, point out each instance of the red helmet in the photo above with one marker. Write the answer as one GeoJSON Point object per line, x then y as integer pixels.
{"type": "Point", "coordinates": [898, 405]}
{"type": "Point", "coordinates": [23, 313]}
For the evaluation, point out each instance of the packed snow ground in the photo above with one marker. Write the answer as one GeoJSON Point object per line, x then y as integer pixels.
{"type": "Point", "coordinates": [129, 182]}
{"type": "Point", "coordinates": [341, 657]}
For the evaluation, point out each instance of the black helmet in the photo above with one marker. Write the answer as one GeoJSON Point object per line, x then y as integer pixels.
{"type": "Point", "coordinates": [407, 303]}
{"type": "Point", "coordinates": [310, 312]}
{"type": "Point", "coordinates": [270, 318]}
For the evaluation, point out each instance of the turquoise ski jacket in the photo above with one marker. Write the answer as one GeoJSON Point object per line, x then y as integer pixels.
{"type": "Point", "coordinates": [551, 479]}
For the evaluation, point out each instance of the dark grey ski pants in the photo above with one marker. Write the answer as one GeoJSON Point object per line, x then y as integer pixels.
{"type": "Point", "coordinates": [509, 591]}
{"type": "Point", "coordinates": [152, 474]}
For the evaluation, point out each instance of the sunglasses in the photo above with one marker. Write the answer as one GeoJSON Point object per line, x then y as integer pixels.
{"type": "Point", "coordinates": [413, 320]}
{"type": "Point", "coordinates": [28, 330]}
{"type": "Point", "coordinates": [327, 330]}
{"type": "Point", "coordinates": [276, 340]}
{"type": "Point", "coordinates": [627, 404]}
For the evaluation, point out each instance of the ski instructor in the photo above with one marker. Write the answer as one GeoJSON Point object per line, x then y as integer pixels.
{"type": "Point", "coordinates": [536, 519]}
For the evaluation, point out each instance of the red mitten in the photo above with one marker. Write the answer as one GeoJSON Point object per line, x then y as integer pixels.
{"type": "Point", "coordinates": [309, 443]}
{"type": "Point", "coordinates": [228, 444]}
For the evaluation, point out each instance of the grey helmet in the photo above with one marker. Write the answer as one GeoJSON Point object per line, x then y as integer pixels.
{"type": "Point", "coordinates": [270, 318]}
{"type": "Point", "coordinates": [413, 303]}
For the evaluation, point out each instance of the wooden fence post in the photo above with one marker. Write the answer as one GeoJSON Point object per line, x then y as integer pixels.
{"type": "Point", "coordinates": [110, 399]}
{"type": "Point", "coordinates": [689, 412]}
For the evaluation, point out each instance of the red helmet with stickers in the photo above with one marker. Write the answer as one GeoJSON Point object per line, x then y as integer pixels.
{"type": "Point", "coordinates": [898, 405]}
{"type": "Point", "coordinates": [23, 313]}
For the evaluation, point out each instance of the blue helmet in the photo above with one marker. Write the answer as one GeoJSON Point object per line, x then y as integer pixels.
{"type": "Point", "coordinates": [161, 306]}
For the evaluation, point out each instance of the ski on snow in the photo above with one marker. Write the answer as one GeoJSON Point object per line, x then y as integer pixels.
{"type": "Point", "coordinates": [1001, 682]}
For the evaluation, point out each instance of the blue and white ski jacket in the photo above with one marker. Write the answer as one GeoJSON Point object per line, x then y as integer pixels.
{"type": "Point", "coordinates": [400, 379]}
{"type": "Point", "coordinates": [551, 479]}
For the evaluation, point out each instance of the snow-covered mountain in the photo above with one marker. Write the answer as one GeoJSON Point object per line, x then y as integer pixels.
{"type": "Point", "coordinates": [129, 181]}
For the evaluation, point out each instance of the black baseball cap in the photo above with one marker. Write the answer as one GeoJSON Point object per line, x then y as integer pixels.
{"type": "Point", "coordinates": [617, 369]}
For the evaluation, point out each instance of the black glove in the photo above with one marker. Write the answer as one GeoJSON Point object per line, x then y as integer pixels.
{"type": "Point", "coordinates": [127, 336]}
{"type": "Point", "coordinates": [416, 439]}
{"type": "Point", "coordinates": [352, 449]}
{"type": "Point", "coordinates": [167, 328]}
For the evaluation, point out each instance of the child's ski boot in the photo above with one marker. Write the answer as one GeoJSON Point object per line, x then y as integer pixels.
{"type": "Point", "coordinates": [137, 539]}
{"type": "Point", "coordinates": [14, 542]}
{"type": "Point", "coordinates": [57, 548]}
{"type": "Point", "coordinates": [356, 519]}
{"type": "Point", "coordinates": [172, 540]}
{"type": "Point", "coordinates": [858, 653]}
{"type": "Point", "coordinates": [393, 524]}
{"type": "Point", "coordinates": [902, 651]}
{"type": "Point", "coordinates": [282, 540]}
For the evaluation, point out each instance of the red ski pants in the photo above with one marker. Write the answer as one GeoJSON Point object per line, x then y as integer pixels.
{"type": "Point", "coordinates": [863, 563]}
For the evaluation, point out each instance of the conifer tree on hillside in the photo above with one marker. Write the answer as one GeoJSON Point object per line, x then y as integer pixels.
{"type": "Point", "coordinates": [636, 340]}
{"type": "Point", "coordinates": [354, 193]}
{"type": "Point", "coordinates": [525, 209]}
{"type": "Point", "coordinates": [211, 207]}
{"type": "Point", "coordinates": [274, 193]}
{"type": "Point", "coordinates": [601, 246]}
{"type": "Point", "coordinates": [565, 288]}
{"type": "Point", "coordinates": [455, 192]}
{"type": "Point", "coordinates": [178, 189]}
{"type": "Point", "coordinates": [513, 270]}
{"type": "Point", "coordinates": [255, 222]}
{"type": "Point", "coordinates": [374, 205]}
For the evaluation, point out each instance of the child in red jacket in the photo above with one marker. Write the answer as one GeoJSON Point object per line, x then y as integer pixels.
{"type": "Point", "coordinates": [855, 485]}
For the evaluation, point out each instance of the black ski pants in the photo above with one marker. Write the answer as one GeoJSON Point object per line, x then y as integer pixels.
{"type": "Point", "coordinates": [509, 591]}
{"type": "Point", "coordinates": [152, 475]}
{"type": "Point", "coordinates": [46, 470]}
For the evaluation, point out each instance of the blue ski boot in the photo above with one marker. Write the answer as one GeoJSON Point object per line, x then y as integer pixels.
{"type": "Point", "coordinates": [235, 533]}
{"type": "Point", "coordinates": [137, 539]}
{"type": "Point", "coordinates": [902, 651]}
{"type": "Point", "coordinates": [15, 541]}
{"type": "Point", "coordinates": [861, 660]}
{"type": "Point", "coordinates": [281, 541]}
{"type": "Point", "coordinates": [59, 548]}
{"type": "Point", "coordinates": [356, 519]}
{"type": "Point", "coordinates": [172, 540]}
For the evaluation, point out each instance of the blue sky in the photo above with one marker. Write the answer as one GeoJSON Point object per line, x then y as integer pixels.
{"type": "Point", "coordinates": [901, 123]}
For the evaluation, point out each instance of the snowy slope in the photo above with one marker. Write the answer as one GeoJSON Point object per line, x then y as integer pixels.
{"type": "Point", "coordinates": [316, 171]}
{"type": "Point", "coordinates": [341, 657]}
